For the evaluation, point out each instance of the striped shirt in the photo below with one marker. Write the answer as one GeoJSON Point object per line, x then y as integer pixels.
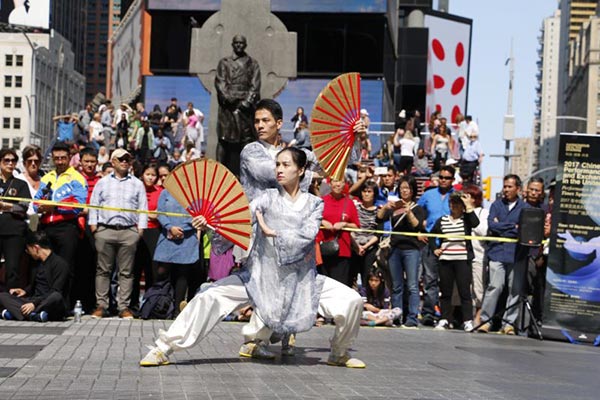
{"type": "Point", "coordinates": [455, 248]}
{"type": "Point", "coordinates": [368, 220]}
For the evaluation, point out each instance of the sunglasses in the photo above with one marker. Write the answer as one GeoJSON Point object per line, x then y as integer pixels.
{"type": "Point", "coordinates": [124, 159]}
{"type": "Point", "coordinates": [36, 161]}
{"type": "Point", "coordinates": [9, 160]}
{"type": "Point", "coordinates": [446, 178]}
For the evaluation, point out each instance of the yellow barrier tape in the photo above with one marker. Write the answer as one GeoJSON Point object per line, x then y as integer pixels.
{"type": "Point", "coordinates": [93, 207]}
{"type": "Point", "coordinates": [172, 214]}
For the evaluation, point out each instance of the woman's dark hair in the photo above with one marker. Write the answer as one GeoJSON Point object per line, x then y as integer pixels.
{"type": "Point", "coordinates": [4, 152]}
{"type": "Point", "coordinates": [298, 156]}
{"type": "Point", "coordinates": [369, 184]}
{"type": "Point", "coordinates": [271, 106]}
{"type": "Point", "coordinates": [153, 166]}
{"type": "Point", "coordinates": [412, 183]}
{"type": "Point", "coordinates": [378, 296]}
{"type": "Point", "coordinates": [476, 194]}
{"type": "Point", "coordinates": [31, 150]}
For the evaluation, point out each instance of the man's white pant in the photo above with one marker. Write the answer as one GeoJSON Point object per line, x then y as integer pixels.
{"type": "Point", "coordinates": [208, 308]}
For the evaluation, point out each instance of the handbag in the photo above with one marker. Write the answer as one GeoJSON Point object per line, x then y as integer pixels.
{"type": "Point", "coordinates": [385, 247]}
{"type": "Point", "coordinates": [331, 247]}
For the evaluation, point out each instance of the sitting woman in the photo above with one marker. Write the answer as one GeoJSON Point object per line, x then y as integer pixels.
{"type": "Point", "coordinates": [377, 308]}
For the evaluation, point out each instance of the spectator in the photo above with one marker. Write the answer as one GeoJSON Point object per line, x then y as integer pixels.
{"type": "Point", "coordinates": [32, 159]}
{"type": "Point", "coordinates": [12, 217]}
{"type": "Point", "coordinates": [435, 203]}
{"type": "Point", "coordinates": [506, 268]}
{"type": "Point", "coordinates": [190, 152]}
{"type": "Point", "coordinates": [144, 255]}
{"type": "Point", "coordinates": [364, 116]}
{"type": "Point", "coordinates": [85, 273]}
{"type": "Point", "coordinates": [339, 212]}
{"type": "Point", "coordinates": [302, 137]}
{"type": "Point", "coordinates": [163, 171]}
{"type": "Point", "coordinates": [85, 117]}
{"type": "Point", "coordinates": [155, 117]}
{"type": "Point", "coordinates": [102, 155]}
{"type": "Point", "coordinates": [122, 140]}
{"type": "Point", "coordinates": [472, 158]}
{"type": "Point", "coordinates": [65, 125]}
{"type": "Point", "coordinates": [162, 147]}
{"type": "Point", "coordinates": [376, 297]}
{"type": "Point", "coordinates": [63, 184]}
{"type": "Point", "coordinates": [43, 299]}
{"type": "Point", "coordinates": [384, 156]}
{"type": "Point", "coordinates": [407, 153]}
{"type": "Point", "coordinates": [364, 244]}
{"type": "Point", "coordinates": [422, 164]}
{"type": "Point", "coordinates": [178, 251]}
{"type": "Point", "coordinates": [192, 134]}
{"type": "Point", "coordinates": [455, 255]}
{"type": "Point", "coordinates": [388, 186]}
{"type": "Point", "coordinates": [96, 134]}
{"type": "Point", "coordinates": [298, 119]}
{"type": "Point", "coordinates": [479, 248]}
{"type": "Point", "coordinates": [141, 111]}
{"type": "Point", "coordinates": [144, 142]}
{"type": "Point", "coordinates": [441, 147]}
{"type": "Point", "coordinates": [405, 216]}
{"type": "Point", "coordinates": [117, 233]}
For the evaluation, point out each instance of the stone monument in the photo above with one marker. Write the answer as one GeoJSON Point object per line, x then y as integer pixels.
{"type": "Point", "coordinates": [268, 42]}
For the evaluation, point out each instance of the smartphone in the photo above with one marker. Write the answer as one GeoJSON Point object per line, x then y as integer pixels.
{"type": "Point", "coordinates": [393, 198]}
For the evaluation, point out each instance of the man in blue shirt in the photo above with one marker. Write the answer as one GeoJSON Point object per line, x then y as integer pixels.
{"type": "Point", "coordinates": [506, 261]}
{"type": "Point", "coordinates": [435, 203]}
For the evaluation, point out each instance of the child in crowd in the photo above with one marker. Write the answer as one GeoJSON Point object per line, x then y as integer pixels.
{"type": "Point", "coordinates": [455, 256]}
{"type": "Point", "coordinates": [376, 298]}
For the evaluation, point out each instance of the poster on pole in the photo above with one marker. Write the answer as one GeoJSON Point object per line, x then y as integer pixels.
{"type": "Point", "coordinates": [572, 301]}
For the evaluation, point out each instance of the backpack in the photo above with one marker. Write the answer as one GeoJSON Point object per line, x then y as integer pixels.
{"type": "Point", "coordinates": [158, 302]}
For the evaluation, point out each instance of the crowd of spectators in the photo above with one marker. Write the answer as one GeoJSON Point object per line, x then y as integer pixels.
{"type": "Point", "coordinates": [421, 180]}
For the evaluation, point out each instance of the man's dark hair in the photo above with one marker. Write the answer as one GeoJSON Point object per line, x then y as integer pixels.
{"type": "Point", "coordinates": [40, 238]}
{"type": "Point", "coordinates": [271, 106]}
{"type": "Point", "coordinates": [61, 146]}
{"type": "Point", "coordinates": [391, 168]}
{"type": "Point", "coordinates": [89, 151]}
{"type": "Point", "coordinates": [516, 178]}
{"type": "Point", "coordinates": [448, 168]}
{"type": "Point", "coordinates": [536, 179]}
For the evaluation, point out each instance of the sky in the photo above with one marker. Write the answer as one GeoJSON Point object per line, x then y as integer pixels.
{"type": "Point", "coordinates": [494, 25]}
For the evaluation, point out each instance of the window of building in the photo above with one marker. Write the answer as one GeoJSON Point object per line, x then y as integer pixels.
{"type": "Point", "coordinates": [6, 123]}
{"type": "Point", "coordinates": [17, 102]}
{"type": "Point", "coordinates": [6, 102]}
{"type": "Point", "coordinates": [5, 143]}
{"type": "Point", "coordinates": [8, 60]}
{"type": "Point", "coordinates": [16, 123]}
{"type": "Point", "coordinates": [18, 81]}
{"type": "Point", "coordinates": [19, 60]}
{"type": "Point", "coordinates": [7, 81]}
{"type": "Point", "coordinates": [17, 142]}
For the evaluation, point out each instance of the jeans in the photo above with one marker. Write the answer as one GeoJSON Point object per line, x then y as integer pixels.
{"type": "Point", "coordinates": [430, 282]}
{"type": "Point", "coordinates": [401, 262]}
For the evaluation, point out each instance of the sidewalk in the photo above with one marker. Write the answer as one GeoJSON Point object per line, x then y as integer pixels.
{"type": "Point", "coordinates": [98, 359]}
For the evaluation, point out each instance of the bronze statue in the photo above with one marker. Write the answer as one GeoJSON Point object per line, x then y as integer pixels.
{"type": "Point", "coordinates": [238, 90]}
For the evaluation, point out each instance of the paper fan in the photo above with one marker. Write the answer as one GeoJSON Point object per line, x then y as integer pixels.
{"type": "Point", "coordinates": [206, 187]}
{"type": "Point", "coordinates": [335, 112]}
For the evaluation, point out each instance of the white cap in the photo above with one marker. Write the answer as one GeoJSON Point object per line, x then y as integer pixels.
{"type": "Point", "coordinates": [451, 161]}
{"type": "Point", "coordinates": [364, 111]}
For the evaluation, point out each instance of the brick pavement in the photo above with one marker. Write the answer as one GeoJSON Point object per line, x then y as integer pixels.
{"type": "Point", "coordinates": [99, 360]}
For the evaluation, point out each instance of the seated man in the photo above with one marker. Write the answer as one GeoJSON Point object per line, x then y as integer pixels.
{"type": "Point", "coordinates": [43, 299]}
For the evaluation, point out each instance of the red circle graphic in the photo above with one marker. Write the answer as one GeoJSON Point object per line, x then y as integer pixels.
{"type": "Point", "coordinates": [458, 86]}
{"type": "Point", "coordinates": [460, 54]}
{"type": "Point", "coordinates": [438, 49]}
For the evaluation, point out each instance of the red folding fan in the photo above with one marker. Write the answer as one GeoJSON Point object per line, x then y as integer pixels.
{"type": "Point", "coordinates": [206, 187]}
{"type": "Point", "coordinates": [333, 116]}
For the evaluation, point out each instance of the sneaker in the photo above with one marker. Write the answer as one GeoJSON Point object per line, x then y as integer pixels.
{"type": "Point", "coordinates": [256, 350]}
{"type": "Point", "coordinates": [345, 361]}
{"type": "Point", "coordinates": [154, 358]}
{"type": "Point", "coordinates": [288, 345]}
{"type": "Point", "coordinates": [485, 328]}
{"type": "Point", "coordinates": [508, 330]}
{"type": "Point", "coordinates": [99, 313]}
{"type": "Point", "coordinates": [42, 316]}
{"type": "Point", "coordinates": [442, 324]}
{"type": "Point", "coordinates": [411, 324]}
{"type": "Point", "coordinates": [126, 314]}
{"type": "Point", "coordinates": [6, 315]}
{"type": "Point", "coordinates": [428, 321]}
{"type": "Point", "coordinates": [468, 326]}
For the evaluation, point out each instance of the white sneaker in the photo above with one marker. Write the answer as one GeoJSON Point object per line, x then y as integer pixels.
{"type": "Point", "coordinates": [345, 361]}
{"type": "Point", "coordinates": [442, 324]}
{"type": "Point", "coordinates": [154, 358]}
{"type": "Point", "coordinates": [468, 326]}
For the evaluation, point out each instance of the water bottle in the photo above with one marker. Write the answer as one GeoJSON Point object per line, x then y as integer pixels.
{"type": "Point", "coordinates": [77, 311]}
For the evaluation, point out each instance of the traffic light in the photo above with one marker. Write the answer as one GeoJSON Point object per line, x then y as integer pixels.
{"type": "Point", "coordinates": [487, 188]}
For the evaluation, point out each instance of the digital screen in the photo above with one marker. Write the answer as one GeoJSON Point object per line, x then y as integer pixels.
{"type": "Point", "coordinates": [312, 6]}
{"type": "Point", "coordinates": [297, 93]}
{"type": "Point", "coordinates": [36, 13]}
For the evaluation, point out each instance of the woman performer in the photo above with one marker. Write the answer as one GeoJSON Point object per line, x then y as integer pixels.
{"type": "Point", "coordinates": [280, 280]}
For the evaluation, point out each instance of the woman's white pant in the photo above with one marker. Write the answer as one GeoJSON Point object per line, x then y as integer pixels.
{"type": "Point", "coordinates": [208, 308]}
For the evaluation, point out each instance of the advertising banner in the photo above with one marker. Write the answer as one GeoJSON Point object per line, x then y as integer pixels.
{"type": "Point", "coordinates": [33, 13]}
{"type": "Point", "coordinates": [572, 301]}
{"type": "Point", "coordinates": [312, 6]}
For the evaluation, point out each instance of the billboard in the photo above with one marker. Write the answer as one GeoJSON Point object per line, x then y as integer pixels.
{"type": "Point", "coordinates": [448, 59]}
{"type": "Point", "coordinates": [572, 300]}
{"type": "Point", "coordinates": [126, 56]}
{"type": "Point", "coordinates": [34, 13]}
{"type": "Point", "coordinates": [308, 6]}
{"type": "Point", "coordinates": [158, 90]}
